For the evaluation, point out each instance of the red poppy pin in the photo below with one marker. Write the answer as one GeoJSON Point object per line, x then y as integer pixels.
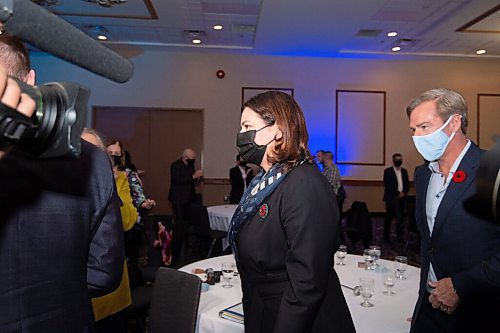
{"type": "Point", "coordinates": [459, 176]}
{"type": "Point", "coordinates": [263, 211]}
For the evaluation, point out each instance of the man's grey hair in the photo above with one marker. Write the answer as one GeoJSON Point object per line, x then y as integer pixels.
{"type": "Point", "coordinates": [448, 103]}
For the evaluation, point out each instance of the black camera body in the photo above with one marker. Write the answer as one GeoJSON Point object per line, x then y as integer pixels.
{"type": "Point", "coordinates": [54, 129]}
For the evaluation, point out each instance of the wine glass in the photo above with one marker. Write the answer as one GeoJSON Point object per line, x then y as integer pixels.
{"type": "Point", "coordinates": [400, 263]}
{"type": "Point", "coordinates": [389, 279]}
{"type": "Point", "coordinates": [341, 253]}
{"type": "Point", "coordinates": [376, 252]}
{"type": "Point", "coordinates": [369, 257]}
{"type": "Point", "coordinates": [367, 286]}
{"type": "Point", "coordinates": [227, 274]}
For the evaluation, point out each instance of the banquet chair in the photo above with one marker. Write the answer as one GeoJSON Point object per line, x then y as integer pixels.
{"type": "Point", "coordinates": [198, 216]}
{"type": "Point", "coordinates": [174, 305]}
{"type": "Point", "coordinates": [359, 224]}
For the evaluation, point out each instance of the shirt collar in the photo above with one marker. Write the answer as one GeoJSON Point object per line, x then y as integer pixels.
{"type": "Point", "coordinates": [434, 166]}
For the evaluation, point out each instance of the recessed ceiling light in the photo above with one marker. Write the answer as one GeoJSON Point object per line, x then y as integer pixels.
{"type": "Point", "coordinates": [196, 41]}
{"type": "Point", "coordinates": [480, 51]}
{"type": "Point", "coordinates": [396, 49]}
{"type": "Point", "coordinates": [392, 34]}
{"type": "Point", "coordinates": [218, 27]}
{"type": "Point", "coordinates": [102, 37]}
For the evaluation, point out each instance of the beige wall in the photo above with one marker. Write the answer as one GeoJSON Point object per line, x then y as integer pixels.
{"type": "Point", "coordinates": [173, 79]}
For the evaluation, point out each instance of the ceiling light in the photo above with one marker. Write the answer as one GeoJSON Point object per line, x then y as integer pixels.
{"type": "Point", "coordinates": [218, 27]}
{"type": "Point", "coordinates": [392, 34]}
{"type": "Point", "coordinates": [396, 49]}
{"type": "Point", "coordinates": [102, 37]}
{"type": "Point", "coordinates": [196, 41]}
{"type": "Point", "coordinates": [480, 51]}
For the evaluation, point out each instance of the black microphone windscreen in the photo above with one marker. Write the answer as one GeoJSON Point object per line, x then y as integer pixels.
{"type": "Point", "coordinates": [52, 34]}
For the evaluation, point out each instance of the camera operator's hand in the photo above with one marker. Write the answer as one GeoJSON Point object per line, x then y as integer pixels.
{"type": "Point", "coordinates": [12, 97]}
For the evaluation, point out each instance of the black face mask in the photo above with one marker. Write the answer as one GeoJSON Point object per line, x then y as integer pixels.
{"type": "Point", "coordinates": [117, 160]}
{"type": "Point", "coordinates": [398, 163]}
{"type": "Point", "coordinates": [249, 151]}
{"type": "Point", "coordinates": [190, 161]}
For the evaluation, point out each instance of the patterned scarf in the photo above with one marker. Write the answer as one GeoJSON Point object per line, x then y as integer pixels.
{"type": "Point", "coordinates": [261, 187]}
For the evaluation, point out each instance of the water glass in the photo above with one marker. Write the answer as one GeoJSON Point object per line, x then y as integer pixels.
{"type": "Point", "coordinates": [369, 258]}
{"type": "Point", "coordinates": [227, 274]}
{"type": "Point", "coordinates": [376, 252]}
{"type": "Point", "coordinates": [341, 253]}
{"type": "Point", "coordinates": [400, 263]}
{"type": "Point", "coordinates": [367, 286]}
{"type": "Point", "coordinates": [389, 279]}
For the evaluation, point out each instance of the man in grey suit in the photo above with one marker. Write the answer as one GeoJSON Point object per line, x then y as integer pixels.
{"type": "Point", "coordinates": [460, 276]}
{"type": "Point", "coordinates": [61, 235]}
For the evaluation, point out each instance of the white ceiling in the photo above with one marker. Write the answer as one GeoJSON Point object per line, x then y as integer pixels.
{"type": "Point", "coordinates": [322, 28]}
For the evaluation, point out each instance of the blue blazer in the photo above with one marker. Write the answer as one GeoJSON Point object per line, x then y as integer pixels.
{"type": "Point", "coordinates": [391, 183]}
{"type": "Point", "coordinates": [61, 241]}
{"type": "Point", "coordinates": [463, 247]}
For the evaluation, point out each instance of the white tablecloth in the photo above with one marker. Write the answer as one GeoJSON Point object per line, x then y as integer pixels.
{"type": "Point", "coordinates": [387, 316]}
{"type": "Point", "coordinates": [220, 217]}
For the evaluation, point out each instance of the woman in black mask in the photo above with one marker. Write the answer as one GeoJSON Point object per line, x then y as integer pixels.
{"type": "Point", "coordinates": [285, 231]}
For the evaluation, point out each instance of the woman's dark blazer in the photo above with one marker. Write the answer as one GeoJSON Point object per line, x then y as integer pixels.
{"type": "Point", "coordinates": [286, 259]}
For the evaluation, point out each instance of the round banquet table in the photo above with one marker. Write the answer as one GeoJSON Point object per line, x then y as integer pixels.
{"type": "Point", "coordinates": [220, 217]}
{"type": "Point", "coordinates": [389, 314]}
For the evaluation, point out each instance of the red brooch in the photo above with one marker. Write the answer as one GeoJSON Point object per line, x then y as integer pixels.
{"type": "Point", "coordinates": [263, 211]}
{"type": "Point", "coordinates": [459, 176]}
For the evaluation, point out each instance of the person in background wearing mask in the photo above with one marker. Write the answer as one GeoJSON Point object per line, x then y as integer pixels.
{"type": "Point", "coordinates": [396, 186]}
{"type": "Point", "coordinates": [183, 178]}
{"type": "Point", "coordinates": [320, 162]}
{"type": "Point", "coordinates": [109, 309]}
{"type": "Point", "coordinates": [460, 275]}
{"type": "Point", "coordinates": [240, 176]}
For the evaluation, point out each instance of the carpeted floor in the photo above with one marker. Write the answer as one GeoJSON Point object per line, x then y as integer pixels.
{"type": "Point", "coordinates": [409, 248]}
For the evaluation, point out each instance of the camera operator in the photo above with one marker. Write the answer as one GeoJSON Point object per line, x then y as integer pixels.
{"type": "Point", "coordinates": [61, 237]}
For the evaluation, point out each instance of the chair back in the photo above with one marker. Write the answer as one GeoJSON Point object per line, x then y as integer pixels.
{"type": "Point", "coordinates": [198, 216]}
{"type": "Point", "coordinates": [359, 223]}
{"type": "Point", "coordinates": [174, 305]}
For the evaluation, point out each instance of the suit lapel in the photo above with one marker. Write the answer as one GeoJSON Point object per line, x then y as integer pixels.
{"type": "Point", "coordinates": [422, 195]}
{"type": "Point", "coordinates": [455, 190]}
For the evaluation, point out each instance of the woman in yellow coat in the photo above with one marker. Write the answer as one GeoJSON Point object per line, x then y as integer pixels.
{"type": "Point", "coordinates": [108, 309]}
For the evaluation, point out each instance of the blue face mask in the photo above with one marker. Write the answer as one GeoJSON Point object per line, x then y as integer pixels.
{"type": "Point", "coordinates": [432, 146]}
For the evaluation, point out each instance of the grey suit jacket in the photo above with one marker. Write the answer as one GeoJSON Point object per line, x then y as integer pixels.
{"type": "Point", "coordinates": [61, 241]}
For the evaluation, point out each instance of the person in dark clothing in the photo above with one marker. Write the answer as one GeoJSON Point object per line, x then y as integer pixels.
{"type": "Point", "coordinates": [239, 176]}
{"type": "Point", "coordinates": [285, 231]}
{"type": "Point", "coordinates": [183, 178]}
{"type": "Point", "coordinates": [396, 186]}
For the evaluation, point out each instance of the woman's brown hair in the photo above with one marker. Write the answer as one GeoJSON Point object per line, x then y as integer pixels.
{"type": "Point", "coordinates": [276, 107]}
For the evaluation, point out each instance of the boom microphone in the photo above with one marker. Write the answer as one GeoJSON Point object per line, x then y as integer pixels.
{"type": "Point", "coordinates": [52, 34]}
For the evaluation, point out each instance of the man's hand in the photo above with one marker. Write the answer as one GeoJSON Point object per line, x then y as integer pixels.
{"type": "Point", "coordinates": [198, 173]}
{"type": "Point", "coordinates": [12, 97]}
{"type": "Point", "coordinates": [444, 295]}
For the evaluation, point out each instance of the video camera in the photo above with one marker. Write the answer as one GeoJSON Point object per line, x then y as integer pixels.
{"type": "Point", "coordinates": [55, 128]}
{"type": "Point", "coordinates": [486, 202]}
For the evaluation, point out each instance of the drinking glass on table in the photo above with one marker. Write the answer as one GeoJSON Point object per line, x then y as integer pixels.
{"type": "Point", "coordinates": [227, 274]}
{"type": "Point", "coordinates": [369, 258]}
{"type": "Point", "coordinates": [367, 286]}
{"type": "Point", "coordinates": [341, 253]}
{"type": "Point", "coordinates": [389, 279]}
{"type": "Point", "coordinates": [376, 253]}
{"type": "Point", "coordinates": [400, 263]}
